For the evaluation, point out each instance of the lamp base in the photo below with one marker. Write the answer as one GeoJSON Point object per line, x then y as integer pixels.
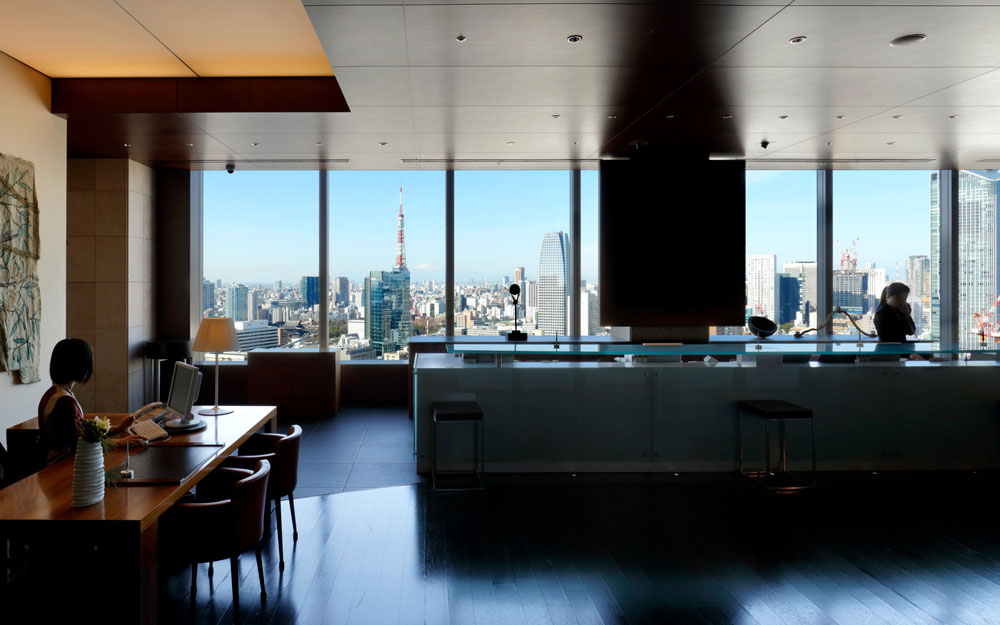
{"type": "Point", "coordinates": [216, 411]}
{"type": "Point", "coordinates": [517, 335]}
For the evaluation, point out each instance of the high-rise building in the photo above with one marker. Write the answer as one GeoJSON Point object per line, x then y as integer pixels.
{"type": "Point", "coordinates": [218, 283]}
{"type": "Point", "coordinates": [978, 249]}
{"type": "Point", "coordinates": [849, 289]}
{"type": "Point", "coordinates": [519, 275]}
{"type": "Point", "coordinates": [553, 279]}
{"type": "Point", "coordinates": [761, 292]}
{"type": "Point", "coordinates": [589, 313]}
{"type": "Point", "coordinates": [254, 297]}
{"type": "Point", "coordinates": [309, 286]}
{"type": "Point", "coordinates": [789, 294]}
{"type": "Point", "coordinates": [341, 291]}
{"type": "Point", "coordinates": [236, 302]}
{"type": "Point", "coordinates": [805, 270]}
{"type": "Point", "coordinates": [277, 286]}
{"type": "Point", "coordinates": [387, 310]}
{"type": "Point", "coordinates": [208, 297]}
{"type": "Point", "coordinates": [876, 281]}
{"type": "Point", "coordinates": [256, 335]}
{"type": "Point", "coordinates": [918, 276]}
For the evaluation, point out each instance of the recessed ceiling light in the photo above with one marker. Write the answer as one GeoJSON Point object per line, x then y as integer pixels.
{"type": "Point", "coordinates": [556, 116]}
{"type": "Point", "coordinates": [612, 117]}
{"type": "Point", "coordinates": [510, 143]}
{"type": "Point", "coordinates": [254, 144]}
{"type": "Point", "coordinates": [319, 143]}
{"type": "Point", "coordinates": [896, 116]}
{"type": "Point", "coordinates": [668, 117]}
{"type": "Point", "coordinates": [841, 116]}
{"type": "Point", "coordinates": [461, 38]}
{"type": "Point", "coordinates": [727, 116]}
{"type": "Point", "coordinates": [953, 117]}
{"type": "Point", "coordinates": [574, 38]}
{"type": "Point", "coordinates": [126, 145]}
{"type": "Point", "coordinates": [890, 143]}
{"type": "Point", "coordinates": [906, 40]}
{"type": "Point", "coordinates": [383, 143]}
{"type": "Point", "coordinates": [782, 116]}
{"type": "Point", "coordinates": [797, 40]}
{"type": "Point", "coordinates": [829, 142]}
{"type": "Point", "coordinates": [190, 145]}
{"type": "Point", "coordinates": [576, 143]}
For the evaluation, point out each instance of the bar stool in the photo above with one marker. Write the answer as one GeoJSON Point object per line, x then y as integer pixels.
{"type": "Point", "coordinates": [782, 412]}
{"type": "Point", "coordinates": [446, 412]}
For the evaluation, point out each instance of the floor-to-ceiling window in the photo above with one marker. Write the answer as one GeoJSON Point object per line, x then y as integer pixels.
{"type": "Point", "coordinates": [387, 255]}
{"type": "Point", "coordinates": [883, 234]}
{"type": "Point", "coordinates": [512, 227]}
{"type": "Point", "coordinates": [590, 290]}
{"type": "Point", "coordinates": [978, 257]}
{"type": "Point", "coordinates": [780, 249]}
{"type": "Point", "coordinates": [261, 255]}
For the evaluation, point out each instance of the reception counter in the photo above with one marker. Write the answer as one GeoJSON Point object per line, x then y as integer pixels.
{"type": "Point", "coordinates": [575, 414]}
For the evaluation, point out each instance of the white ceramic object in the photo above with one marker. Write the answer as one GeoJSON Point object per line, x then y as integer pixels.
{"type": "Point", "coordinates": [88, 474]}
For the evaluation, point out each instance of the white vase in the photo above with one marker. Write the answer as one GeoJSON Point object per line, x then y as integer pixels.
{"type": "Point", "coordinates": [88, 474]}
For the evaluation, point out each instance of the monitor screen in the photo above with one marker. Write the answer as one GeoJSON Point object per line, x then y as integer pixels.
{"type": "Point", "coordinates": [184, 387]}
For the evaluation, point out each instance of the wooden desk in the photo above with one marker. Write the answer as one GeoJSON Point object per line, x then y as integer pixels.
{"type": "Point", "coordinates": [42, 503]}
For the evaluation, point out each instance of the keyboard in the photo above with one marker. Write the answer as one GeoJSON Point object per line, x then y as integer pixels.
{"type": "Point", "coordinates": [148, 430]}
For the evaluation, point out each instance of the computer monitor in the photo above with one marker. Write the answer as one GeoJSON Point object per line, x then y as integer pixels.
{"type": "Point", "coordinates": [184, 387]}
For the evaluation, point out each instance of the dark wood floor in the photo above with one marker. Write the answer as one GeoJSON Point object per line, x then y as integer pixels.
{"type": "Point", "coordinates": [896, 549]}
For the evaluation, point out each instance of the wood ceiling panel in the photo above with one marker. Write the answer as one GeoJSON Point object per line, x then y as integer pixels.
{"type": "Point", "coordinates": [361, 35]}
{"type": "Point", "coordinates": [68, 38]}
{"type": "Point", "coordinates": [375, 86]}
{"type": "Point", "coordinates": [858, 36]}
{"type": "Point", "coordinates": [542, 86]}
{"type": "Point", "coordinates": [613, 34]}
{"type": "Point", "coordinates": [249, 38]}
{"type": "Point", "coordinates": [818, 86]}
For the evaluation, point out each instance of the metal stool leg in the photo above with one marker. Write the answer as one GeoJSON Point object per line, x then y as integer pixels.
{"type": "Point", "coordinates": [812, 433]}
{"type": "Point", "coordinates": [767, 451]}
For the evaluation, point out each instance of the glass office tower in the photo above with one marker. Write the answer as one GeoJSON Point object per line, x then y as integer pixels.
{"type": "Point", "coordinates": [236, 302]}
{"type": "Point", "coordinates": [761, 294]}
{"type": "Point", "coordinates": [387, 310]}
{"type": "Point", "coordinates": [978, 257]}
{"type": "Point", "coordinates": [553, 279]}
{"type": "Point", "coordinates": [310, 290]}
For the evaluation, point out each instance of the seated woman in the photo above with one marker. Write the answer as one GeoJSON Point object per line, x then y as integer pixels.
{"type": "Point", "coordinates": [892, 317]}
{"type": "Point", "coordinates": [59, 413]}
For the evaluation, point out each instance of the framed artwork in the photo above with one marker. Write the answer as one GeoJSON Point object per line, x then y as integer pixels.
{"type": "Point", "coordinates": [20, 299]}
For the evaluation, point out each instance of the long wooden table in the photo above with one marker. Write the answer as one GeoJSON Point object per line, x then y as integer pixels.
{"type": "Point", "coordinates": [42, 504]}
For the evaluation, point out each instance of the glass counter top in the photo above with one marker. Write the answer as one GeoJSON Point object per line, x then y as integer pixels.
{"type": "Point", "coordinates": [789, 346]}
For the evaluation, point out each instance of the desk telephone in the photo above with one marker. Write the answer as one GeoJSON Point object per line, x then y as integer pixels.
{"type": "Point", "coordinates": [146, 424]}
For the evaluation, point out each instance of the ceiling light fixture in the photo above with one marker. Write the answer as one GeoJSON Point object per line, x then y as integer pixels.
{"type": "Point", "coordinates": [190, 145]}
{"type": "Point", "coordinates": [254, 144]}
{"type": "Point", "coordinates": [668, 117]}
{"type": "Point", "coordinates": [841, 116]}
{"type": "Point", "coordinates": [890, 143]}
{"type": "Point", "coordinates": [126, 145]}
{"type": "Point", "coordinates": [574, 38]}
{"type": "Point", "coordinates": [383, 143]}
{"type": "Point", "coordinates": [510, 143]}
{"type": "Point", "coordinates": [556, 116]}
{"type": "Point", "coordinates": [727, 116]}
{"type": "Point", "coordinates": [896, 116]}
{"type": "Point", "coordinates": [953, 117]}
{"type": "Point", "coordinates": [797, 40]}
{"type": "Point", "coordinates": [782, 116]}
{"type": "Point", "coordinates": [461, 38]}
{"type": "Point", "coordinates": [612, 117]}
{"type": "Point", "coordinates": [906, 40]}
{"type": "Point", "coordinates": [319, 144]}
{"type": "Point", "coordinates": [829, 143]}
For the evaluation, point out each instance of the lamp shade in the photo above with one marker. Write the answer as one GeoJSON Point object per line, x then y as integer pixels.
{"type": "Point", "coordinates": [216, 334]}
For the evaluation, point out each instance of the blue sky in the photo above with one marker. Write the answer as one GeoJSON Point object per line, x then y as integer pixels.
{"type": "Point", "coordinates": [887, 211]}
{"type": "Point", "coordinates": [262, 226]}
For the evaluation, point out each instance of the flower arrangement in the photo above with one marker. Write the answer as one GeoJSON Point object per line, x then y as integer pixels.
{"type": "Point", "coordinates": [95, 430]}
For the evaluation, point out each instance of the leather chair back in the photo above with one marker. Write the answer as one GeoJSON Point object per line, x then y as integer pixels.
{"type": "Point", "coordinates": [249, 498]}
{"type": "Point", "coordinates": [286, 474]}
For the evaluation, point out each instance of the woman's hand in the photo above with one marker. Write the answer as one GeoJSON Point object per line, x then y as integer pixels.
{"type": "Point", "coordinates": [905, 309]}
{"type": "Point", "coordinates": [133, 441]}
{"type": "Point", "coordinates": [122, 425]}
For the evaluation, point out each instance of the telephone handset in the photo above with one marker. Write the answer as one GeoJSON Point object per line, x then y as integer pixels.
{"type": "Point", "coordinates": [146, 412]}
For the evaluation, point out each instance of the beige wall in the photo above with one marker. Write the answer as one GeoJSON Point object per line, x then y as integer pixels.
{"type": "Point", "coordinates": [29, 131]}
{"type": "Point", "coordinates": [110, 275]}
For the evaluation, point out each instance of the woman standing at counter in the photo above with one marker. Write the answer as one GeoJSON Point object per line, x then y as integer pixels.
{"type": "Point", "coordinates": [892, 317]}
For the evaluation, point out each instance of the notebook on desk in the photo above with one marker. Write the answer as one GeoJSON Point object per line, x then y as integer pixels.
{"type": "Point", "coordinates": [167, 464]}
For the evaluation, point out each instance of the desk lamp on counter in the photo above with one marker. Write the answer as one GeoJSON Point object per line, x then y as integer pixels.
{"type": "Point", "coordinates": [216, 334]}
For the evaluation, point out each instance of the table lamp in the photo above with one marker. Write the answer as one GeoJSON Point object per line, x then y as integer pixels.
{"type": "Point", "coordinates": [216, 334]}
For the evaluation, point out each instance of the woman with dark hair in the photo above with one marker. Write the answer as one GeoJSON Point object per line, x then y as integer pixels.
{"type": "Point", "coordinates": [59, 413]}
{"type": "Point", "coordinates": [892, 317]}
